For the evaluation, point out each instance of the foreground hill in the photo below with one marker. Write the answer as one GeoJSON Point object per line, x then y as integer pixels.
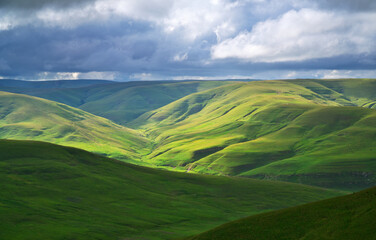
{"type": "Point", "coordinates": [120, 102]}
{"type": "Point", "coordinates": [53, 192]}
{"type": "Point", "coordinates": [350, 217]}
{"type": "Point", "coordinates": [320, 132]}
{"type": "Point", "coordinates": [26, 117]}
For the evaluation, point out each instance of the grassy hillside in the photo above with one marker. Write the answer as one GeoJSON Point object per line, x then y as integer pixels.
{"type": "Point", "coordinates": [26, 117]}
{"type": "Point", "coordinates": [350, 217]}
{"type": "Point", "coordinates": [308, 131]}
{"type": "Point", "coordinates": [119, 102]}
{"type": "Point", "coordinates": [53, 192]}
{"type": "Point", "coordinates": [320, 132]}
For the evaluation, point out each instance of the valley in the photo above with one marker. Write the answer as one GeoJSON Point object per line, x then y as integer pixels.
{"type": "Point", "coordinates": [316, 132]}
{"type": "Point", "coordinates": [292, 130]}
{"type": "Point", "coordinates": [187, 120]}
{"type": "Point", "coordinates": [210, 153]}
{"type": "Point", "coordinates": [55, 192]}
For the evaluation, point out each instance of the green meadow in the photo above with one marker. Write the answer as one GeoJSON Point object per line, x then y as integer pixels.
{"type": "Point", "coordinates": [120, 102]}
{"type": "Point", "coordinates": [30, 118]}
{"type": "Point", "coordinates": [319, 132]}
{"type": "Point", "coordinates": [350, 217]}
{"type": "Point", "coordinates": [54, 192]}
{"type": "Point", "coordinates": [193, 155]}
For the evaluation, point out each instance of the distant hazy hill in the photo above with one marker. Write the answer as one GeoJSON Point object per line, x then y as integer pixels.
{"type": "Point", "coordinates": [52, 84]}
{"type": "Point", "coordinates": [351, 217]}
{"type": "Point", "coordinates": [119, 102]}
{"type": "Point", "coordinates": [26, 117]}
{"type": "Point", "coordinates": [53, 192]}
{"type": "Point", "coordinates": [320, 132]}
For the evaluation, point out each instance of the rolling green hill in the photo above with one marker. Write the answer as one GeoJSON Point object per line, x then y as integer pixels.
{"type": "Point", "coordinates": [53, 192]}
{"type": "Point", "coordinates": [350, 217]}
{"type": "Point", "coordinates": [26, 117]}
{"type": "Point", "coordinates": [120, 102]}
{"type": "Point", "coordinates": [320, 132]}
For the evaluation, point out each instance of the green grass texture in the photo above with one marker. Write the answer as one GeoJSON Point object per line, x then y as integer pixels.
{"type": "Point", "coordinates": [120, 102]}
{"type": "Point", "coordinates": [317, 132]}
{"type": "Point", "coordinates": [320, 132]}
{"type": "Point", "coordinates": [350, 217]}
{"type": "Point", "coordinates": [49, 191]}
{"type": "Point", "coordinates": [30, 118]}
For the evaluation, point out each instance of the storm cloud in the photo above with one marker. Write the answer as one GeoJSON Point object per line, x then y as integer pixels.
{"type": "Point", "coordinates": [168, 39]}
{"type": "Point", "coordinates": [350, 5]}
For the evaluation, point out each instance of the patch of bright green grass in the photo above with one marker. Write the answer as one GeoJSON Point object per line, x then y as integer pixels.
{"type": "Point", "coordinates": [26, 117]}
{"type": "Point", "coordinates": [309, 131]}
{"type": "Point", "coordinates": [53, 192]}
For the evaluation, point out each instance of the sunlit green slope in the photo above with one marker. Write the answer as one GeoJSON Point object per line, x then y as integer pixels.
{"type": "Point", "coordinates": [26, 117]}
{"type": "Point", "coordinates": [53, 192]}
{"type": "Point", "coordinates": [308, 131]}
{"type": "Point", "coordinates": [120, 102]}
{"type": "Point", "coordinates": [350, 217]}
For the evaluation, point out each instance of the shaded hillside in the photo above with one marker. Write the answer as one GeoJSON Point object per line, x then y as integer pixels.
{"type": "Point", "coordinates": [53, 192]}
{"type": "Point", "coordinates": [26, 117]}
{"type": "Point", "coordinates": [120, 102]}
{"type": "Point", "coordinates": [351, 217]}
{"type": "Point", "coordinates": [308, 131]}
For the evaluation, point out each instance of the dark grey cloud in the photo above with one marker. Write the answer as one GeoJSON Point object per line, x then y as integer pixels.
{"type": "Point", "coordinates": [106, 47]}
{"type": "Point", "coordinates": [350, 5]}
{"type": "Point", "coordinates": [131, 42]}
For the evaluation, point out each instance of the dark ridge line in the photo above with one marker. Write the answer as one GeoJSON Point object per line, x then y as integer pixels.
{"type": "Point", "coordinates": [250, 113]}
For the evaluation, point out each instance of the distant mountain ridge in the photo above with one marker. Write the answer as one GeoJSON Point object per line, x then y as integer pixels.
{"type": "Point", "coordinates": [45, 84]}
{"type": "Point", "coordinates": [120, 102]}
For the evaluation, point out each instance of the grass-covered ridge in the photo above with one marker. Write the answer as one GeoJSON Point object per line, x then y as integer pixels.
{"type": "Point", "coordinates": [320, 132]}
{"type": "Point", "coordinates": [120, 102]}
{"type": "Point", "coordinates": [53, 192]}
{"type": "Point", "coordinates": [349, 217]}
{"type": "Point", "coordinates": [25, 117]}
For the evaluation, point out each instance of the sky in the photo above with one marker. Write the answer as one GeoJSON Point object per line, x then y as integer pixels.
{"type": "Point", "coordinates": [187, 39]}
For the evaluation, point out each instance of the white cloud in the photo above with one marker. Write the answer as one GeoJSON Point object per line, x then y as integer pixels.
{"type": "Point", "coordinates": [189, 19]}
{"type": "Point", "coordinates": [142, 76]}
{"type": "Point", "coordinates": [76, 75]}
{"type": "Point", "coordinates": [98, 75]}
{"type": "Point", "coordinates": [181, 57]}
{"type": "Point", "coordinates": [224, 30]}
{"type": "Point", "coordinates": [150, 10]}
{"type": "Point", "coordinates": [323, 74]}
{"type": "Point", "coordinates": [301, 35]}
{"type": "Point", "coordinates": [195, 18]}
{"type": "Point", "coordinates": [333, 74]}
